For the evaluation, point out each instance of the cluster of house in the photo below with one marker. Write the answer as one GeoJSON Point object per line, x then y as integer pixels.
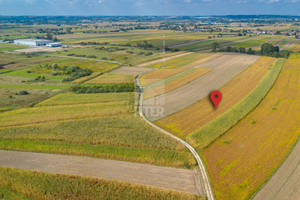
{"type": "Point", "coordinates": [39, 42]}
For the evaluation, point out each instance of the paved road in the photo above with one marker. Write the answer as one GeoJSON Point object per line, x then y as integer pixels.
{"type": "Point", "coordinates": [163, 177]}
{"type": "Point", "coordinates": [203, 180]}
{"type": "Point", "coordinates": [285, 184]}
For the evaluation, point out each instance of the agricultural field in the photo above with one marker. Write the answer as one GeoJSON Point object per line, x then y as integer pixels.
{"type": "Point", "coordinates": [20, 184]}
{"type": "Point", "coordinates": [260, 142]}
{"type": "Point", "coordinates": [9, 47]}
{"type": "Point", "coordinates": [59, 125]}
{"type": "Point", "coordinates": [159, 75]}
{"type": "Point", "coordinates": [257, 40]}
{"type": "Point", "coordinates": [173, 82]}
{"type": "Point", "coordinates": [202, 111]}
{"type": "Point", "coordinates": [206, 44]}
{"type": "Point", "coordinates": [111, 78]}
{"type": "Point", "coordinates": [91, 102]}
{"type": "Point", "coordinates": [228, 65]}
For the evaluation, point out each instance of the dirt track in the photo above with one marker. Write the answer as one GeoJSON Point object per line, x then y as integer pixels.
{"type": "Point", "coordinates": [285, 184]}
{"type": "Point", "coordinates": [225, 67]}
{"type": "Point", "coordinates": [162, 177]}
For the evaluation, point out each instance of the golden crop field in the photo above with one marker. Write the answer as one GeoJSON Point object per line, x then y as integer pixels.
{"type": "Point", "coordinates": [203, 111]}
{"type": "Point", "coordinates": [240, 161]}
{"type": "Point", "coordinates": [297, 48]}
{"type": "Point", "coordinates": [112, 78]}
{"type": "Point", "coordinates": [164, 88]}
{"type": "Point", "coordinates": [158, 75]}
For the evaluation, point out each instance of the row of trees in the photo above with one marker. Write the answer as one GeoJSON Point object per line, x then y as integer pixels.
{"type": "Point", "coordinates": [267, 49]}
{"type": "Point", "coordinates": [124, 87]}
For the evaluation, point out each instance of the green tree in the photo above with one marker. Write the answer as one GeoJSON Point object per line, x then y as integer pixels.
{"type": "Point", "coordinates": [215, 45]}
{"type": "Point", "coordinates": [49, 36]}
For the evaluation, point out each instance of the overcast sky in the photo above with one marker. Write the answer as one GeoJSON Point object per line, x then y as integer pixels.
{"type": "Point", "coordinates": [149, 7]}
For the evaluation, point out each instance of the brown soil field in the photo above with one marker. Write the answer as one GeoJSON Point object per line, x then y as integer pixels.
{"type": "Point", "coordinates": [163, 177]}
{"type": "Point", "coordinates": [240, 161]}
{"type": "Point", "coordinates": [176, 83]}
{"type": "Point", "coordinates": [39, 49]}
{"type": "Point", "coordinates": [158, 75]}
{"type": "Point", "coordinates": [132, 70]}
{"type": "Point", "coordinates": [203, 112]}
{"type": "Point", "coordinates": [225, 67]}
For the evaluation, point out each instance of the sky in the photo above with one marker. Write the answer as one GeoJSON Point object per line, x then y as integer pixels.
{"type": "Point", "coordinates": [149, 7]}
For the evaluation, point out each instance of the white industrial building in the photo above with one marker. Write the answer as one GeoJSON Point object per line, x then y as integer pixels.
{"type": "Point", "coordinates": [33, 42]}
{"type": "Point", "coordinates": [56, 44]}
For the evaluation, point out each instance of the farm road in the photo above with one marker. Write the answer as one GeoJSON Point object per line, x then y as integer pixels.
{"type": "Point", "coordinates": [225, 67]}
{"type": "Point", "coordinates": [285, 184]}
{"type": "Point", "coordinates": [163, 177]}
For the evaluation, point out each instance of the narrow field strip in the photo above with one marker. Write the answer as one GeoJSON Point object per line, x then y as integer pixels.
{"type": "Point", "coordinates": [40, 87]}
{"type": "Point", "coordinates": [169, 86]}
{"type": "Point", "coordinates": [204, 136]}
{"type": "Point", "coordinates": [112, 78]}
{"type": "Point", "coordinates": [181, 61]}
{"type": "Point", "coordinates": [259, 143]}
{"type": "Point", "coordinates": [203, 112]}
{"type": "Point", "coordinates": [159, 75]}
{"type": "Point", "coordinates": [38, 185]}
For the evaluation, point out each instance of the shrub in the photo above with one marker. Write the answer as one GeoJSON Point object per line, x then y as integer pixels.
{"type": "Point", "coordinates": [23, 92]}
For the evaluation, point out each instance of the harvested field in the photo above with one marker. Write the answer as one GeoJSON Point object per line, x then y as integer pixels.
{"type": "Point", "coordinates": [39, 49]}
{"type": "Point", "coordinates": [183, 60]}
{"type": "Point", "coordinates": [132, 70]}
{"type": "Point", "coordinates": [290, 45]}
{"type": "Point", "coordinates": [158, 75]}
{"type": "Point", "coordinates": [162, 177]}
{"type": "Point", "coordinates": [164, 88]}
{"type": "Point", "coordinates": [240, 161]}
{"type": "Point", "coordinates": [112, 78]}
{"type": "Point", "coordinates": [225, 67]}
{"type": "Point", "coordinates": [161, 60]}
{"type": "Point", "coordinates": [38, 185]}
{"type": "Point", "coordinates": [203, 112]}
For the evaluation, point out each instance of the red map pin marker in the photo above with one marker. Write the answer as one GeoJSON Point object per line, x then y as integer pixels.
{"type": "Point", "coordinates": [216, 97]}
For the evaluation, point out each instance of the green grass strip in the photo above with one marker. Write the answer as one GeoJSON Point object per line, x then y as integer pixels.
{"type": "Point", "coordinates": [211, 131]}
{"type": "Point", "coordinates": [40, 87]}
{"type": "Point", "coordinates": [8, 194]}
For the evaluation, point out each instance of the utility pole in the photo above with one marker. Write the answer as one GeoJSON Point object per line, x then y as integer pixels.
{"type": "Point", "coordinates": [164, 52]}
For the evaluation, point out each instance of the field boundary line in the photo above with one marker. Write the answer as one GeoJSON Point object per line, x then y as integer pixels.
{"type": "Point", "coordinates": [206, 183]}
